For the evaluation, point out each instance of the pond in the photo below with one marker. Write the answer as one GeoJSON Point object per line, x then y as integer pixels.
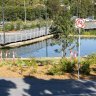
{"type": "Point", "coordinates": [47, 48]}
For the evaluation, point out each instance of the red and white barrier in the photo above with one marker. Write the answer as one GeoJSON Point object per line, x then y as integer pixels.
{"type": "Point", "coordinates": [73, 55]}
{"type": "Point", "coordinates": [0, 55]}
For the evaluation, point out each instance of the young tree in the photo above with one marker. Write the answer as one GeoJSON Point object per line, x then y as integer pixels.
{"type": "Point", "coordinates": [63, 26]}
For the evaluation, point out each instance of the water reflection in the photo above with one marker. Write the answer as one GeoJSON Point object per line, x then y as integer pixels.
{"type": "Point", "coordinates": [46, 48]}
{"type": "Point", "coordinates": [50, 48]}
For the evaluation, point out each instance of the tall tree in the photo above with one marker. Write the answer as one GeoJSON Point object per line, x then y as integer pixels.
{"type": "Point", "coordinates": [82, 8]}
{"type": "Point", "coordinates": [53, 7]}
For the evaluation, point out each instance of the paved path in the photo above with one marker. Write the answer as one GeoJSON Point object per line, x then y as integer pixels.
{"type": "Point", "coordinates": [38, 87]}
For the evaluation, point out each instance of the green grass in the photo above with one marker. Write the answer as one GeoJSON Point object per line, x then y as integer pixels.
{"type": "Point", "coordinates": [91, 32]}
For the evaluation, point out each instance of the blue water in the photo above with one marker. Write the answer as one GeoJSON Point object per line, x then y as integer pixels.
{"type": "Point", "coordinates": [46, 49]}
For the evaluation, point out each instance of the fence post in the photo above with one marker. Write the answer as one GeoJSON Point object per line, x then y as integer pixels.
{"type": "Point", "coordinates": [35, 33]}
{"type": "Point", "coordinates": [21, 36]}
{"type": "Point", "coordinates": [30, 34]}
{"type": "Point", "coordinates": [8, 38]}
{"type": "Point", "coordinates": [26, 35]}
{"type": "Point", "coordinates": [2, 38]}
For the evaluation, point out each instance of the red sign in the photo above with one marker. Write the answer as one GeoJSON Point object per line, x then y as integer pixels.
{"type": "Point", "coordinates": [80, 23]}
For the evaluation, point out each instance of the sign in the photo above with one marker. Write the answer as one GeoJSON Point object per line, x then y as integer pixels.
{"type": "Point", "coordinates": [80, 23]}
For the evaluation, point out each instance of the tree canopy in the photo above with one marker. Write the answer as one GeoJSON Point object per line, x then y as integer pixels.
{"type": "Point", "coordinates": [15, 8]}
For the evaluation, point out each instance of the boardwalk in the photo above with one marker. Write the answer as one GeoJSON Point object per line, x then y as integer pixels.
{"type": "Point", "coordinates": [23, 35]}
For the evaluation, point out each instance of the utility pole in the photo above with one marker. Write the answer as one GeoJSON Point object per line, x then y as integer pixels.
{"type": "Point", "coordinates": [25, 10]}
{"type": "Point", "coordinates": [3, 21]}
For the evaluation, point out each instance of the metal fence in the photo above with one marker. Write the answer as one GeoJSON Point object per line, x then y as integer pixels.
{"type": "Point", "coordinates": [90, 25]}
{"type": "Point", "coordinates": [23, 35]}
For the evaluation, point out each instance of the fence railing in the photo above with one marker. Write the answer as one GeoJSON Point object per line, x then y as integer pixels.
{"type": "Point", "coordinates": [90, 25]}
{"type": "Point", "coordinates": [23, 35]}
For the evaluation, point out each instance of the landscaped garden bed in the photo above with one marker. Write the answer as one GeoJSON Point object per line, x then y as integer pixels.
{"type": "Point", "coordinates": [65, 68]}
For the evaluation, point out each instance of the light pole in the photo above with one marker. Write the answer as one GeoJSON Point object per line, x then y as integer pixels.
{"type": "Point", "coordinates": [25, 10]}
{"type": "Point", "coordinates": [3, 22]}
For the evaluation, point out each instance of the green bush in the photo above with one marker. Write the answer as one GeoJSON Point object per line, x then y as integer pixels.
{"type": "Point", "coordinates": [32, 65]}
{"type": "Point", "coordinates": [64, 66]}
{"type": "Point", "coordinates": [85, 67]}
{"type": "Point", "coordinates": [3, 62]}
{"type": "Point", "coordinates": [90, 32]}
{"type": "Point", "coordinates": [18, 25]}
{"type": "Point", "coordinates": [9, 27]}
{"type": "Point", "coordinates": [92, 58]}
{"type": "Point", "coordinates": [67, 66]}
{"type": "Point", "coordinates": [20, 63]}
{"type": "Point", "coordinates": [55, 70]}
{"type": "Point", "coordinates": [25, 26]}
{"type": "Point", "coordinates": [32, 62]}
{"type": "Point", "coordinates": [33, 26]}
{"type": "Point", "coordinates": [38, 25]}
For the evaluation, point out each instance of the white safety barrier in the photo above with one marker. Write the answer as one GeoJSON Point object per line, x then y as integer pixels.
{"type": "Point", "coordinates": [23, 35]}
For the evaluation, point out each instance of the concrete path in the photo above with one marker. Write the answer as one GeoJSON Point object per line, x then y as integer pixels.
{"type": "Point", "coordinates": [38, 87]}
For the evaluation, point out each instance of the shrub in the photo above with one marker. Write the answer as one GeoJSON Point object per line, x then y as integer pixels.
{"type": "Point", "coordinates": [25, 26]}
{"type": "Point", "coordinates": [92, 58]}
{"type": "Point", "coordinates": [18, 25]}
{"type": "Point", "coordinates": [9, 27]}
{"type": "Point", "coordinates": [20, 63]}
{"type": "Point", "coordinates": [55, 70]}
{"type": "Point", "coordinates": [8, 63]}
{"type": "Point", "coordinates": [85, 67]}
{"type": "Point", "coordinates": [2, 63]}
{"type": "Point", "coordinates": [67, 66]}
{"type": "Point", "coordinates": [90, 32]}
{"type": "Point", "coordinates": [64, 66]}
{"type": "Point", "coordinates": [33, 26]}
{"type": "Point", "coordinates": [32, 65]}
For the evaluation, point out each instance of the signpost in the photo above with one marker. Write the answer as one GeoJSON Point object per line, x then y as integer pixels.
{"type": "Point", "coordinates": [79, 23]}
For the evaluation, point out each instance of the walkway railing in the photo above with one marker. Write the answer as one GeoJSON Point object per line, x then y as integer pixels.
{"type": "Point", "coordinates": [90, 25]}
{"type": "Point", "coordinates": [23, 35]}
